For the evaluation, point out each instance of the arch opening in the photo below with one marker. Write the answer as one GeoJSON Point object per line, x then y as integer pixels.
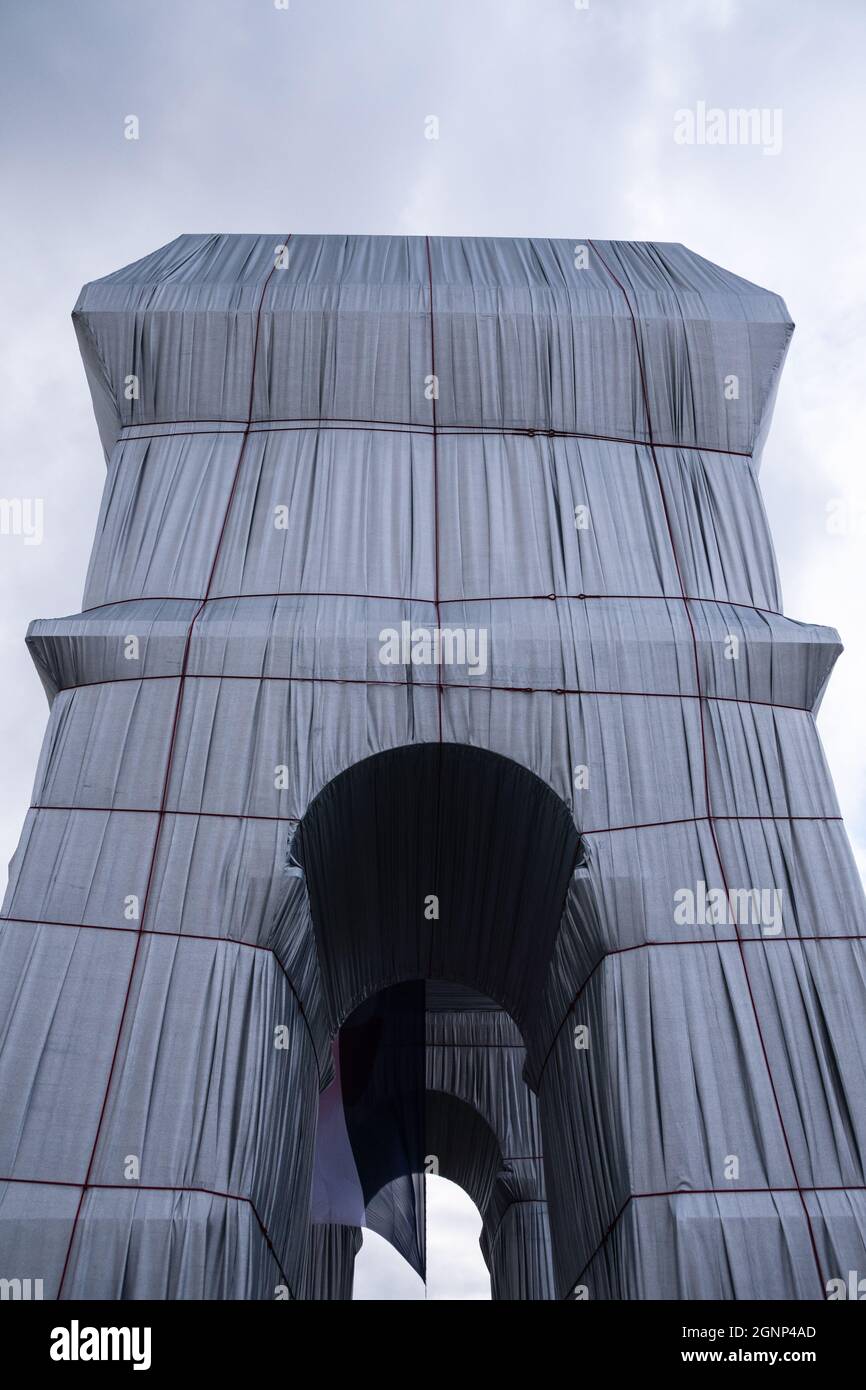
{"type": "Point", "coordinates": [436, 861]}
{"type": "Point", "coordinates": [430, 863]}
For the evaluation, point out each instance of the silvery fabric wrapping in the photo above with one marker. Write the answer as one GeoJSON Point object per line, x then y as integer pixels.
{"type": "Point", "coordinates": [311, 440]}
{"type": "Point", "coordinates": [483, 1130]}
{"type": "Point", "coordinates": [331, 1265]}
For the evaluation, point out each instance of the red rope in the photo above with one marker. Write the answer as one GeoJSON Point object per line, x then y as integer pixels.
{"type": "Point", "coordinates": [295, 820]}
{"type": "Point", "coordinates": [413, 427]}
{"type": "Point", "coordinates": [414, 598]}
{"type": "Point", "coordinates": [444, 686]}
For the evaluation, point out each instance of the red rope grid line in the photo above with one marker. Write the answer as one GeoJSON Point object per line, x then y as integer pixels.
{"type": "Point", "coordinates": [295, 820]}
{"type": "Point", "coordinates": [167, 778]}
{"type": "Point", "coordinates": [284, 423]}
{"type": "Point", "coordinates": [446, 686]}
{"type": "Point", "coordinates": [225, 815]}
{"type": "Point", "coordinates": [414, 598]}
{"type": "Point", "coordinates": [652, 447]}
{"type": "Point", "coordinates": [11, 919]}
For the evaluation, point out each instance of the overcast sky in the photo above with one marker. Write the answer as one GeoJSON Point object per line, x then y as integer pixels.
{"type": "Point", "coordinates": [554, 120]}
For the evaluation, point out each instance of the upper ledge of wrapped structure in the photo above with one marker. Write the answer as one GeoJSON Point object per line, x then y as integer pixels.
{"type": "Point", "coordinates": [530, 334]}
{"type": "Point", "coordinates": [614, 647]}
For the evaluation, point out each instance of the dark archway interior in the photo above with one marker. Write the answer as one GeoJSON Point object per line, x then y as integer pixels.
{"type": "Point", "coordinates": [436, 861]}
{"type": "Point", "coordinates": [432, 862]}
